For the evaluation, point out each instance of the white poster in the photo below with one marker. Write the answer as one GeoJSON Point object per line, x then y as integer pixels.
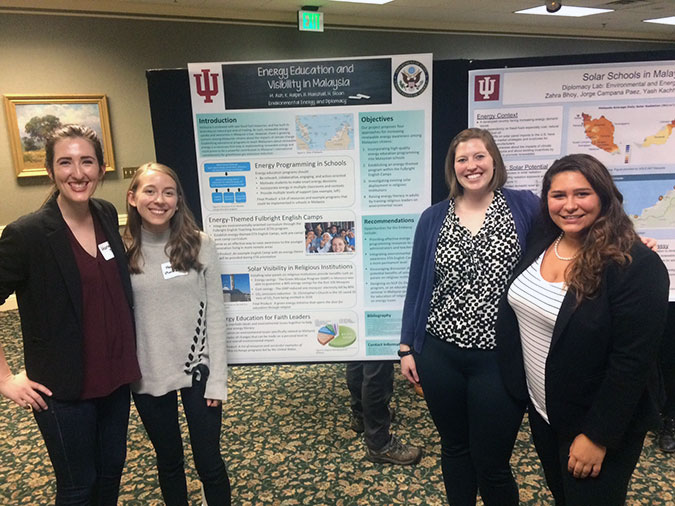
{"type": "Point", "coordinates": [622, 113]}
{"type": "Point", "coordinates": [313, 174]}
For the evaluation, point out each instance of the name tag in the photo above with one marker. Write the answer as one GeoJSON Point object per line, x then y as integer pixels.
{"type": "Point", "coordinates": [168, 272]}
{"type": "Point", "coordinates": [106, 250]}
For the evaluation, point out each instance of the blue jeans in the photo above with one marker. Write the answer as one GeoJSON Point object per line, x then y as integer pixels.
{"type": "Point", "coordinates": [371, 385]}
{"type": "Point", "coordinates": [476, 418]}
{"type": "Point", "coordinates": [87, 444]}
{"type": "Point", "coordinates": [160, 418]}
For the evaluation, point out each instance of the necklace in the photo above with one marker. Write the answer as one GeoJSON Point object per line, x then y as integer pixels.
{"type": "Point", "coordinates": [555, 250]}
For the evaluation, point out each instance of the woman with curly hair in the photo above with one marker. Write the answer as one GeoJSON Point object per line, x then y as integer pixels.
{"type": "Point", "coordinates": [180, 327]}
{"type": "Point", "coordinates": [578, 335]}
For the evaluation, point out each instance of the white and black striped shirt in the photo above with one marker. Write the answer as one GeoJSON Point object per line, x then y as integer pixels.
{"type": "Point", "coordinates": [536, 303]}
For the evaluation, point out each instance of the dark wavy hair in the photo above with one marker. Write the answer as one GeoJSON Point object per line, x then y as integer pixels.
{"type": "Point", "coordinates": [608, 239]}
{"type": "Point", "coordinates": [72, 132]}
{"type": "Point", "coordinates": [499, 176]}
{"type": "Point", "coordinates": [184, 242]}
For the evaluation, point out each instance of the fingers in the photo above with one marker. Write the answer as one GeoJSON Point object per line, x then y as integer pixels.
{"type": "Point", "coordinates": [409, 369]}
{"type": "Point", "coordinates": [213, 403]}
{"type": "Point", "coordinates": [38, 386]}
{"type": "Point", "coordinates": [582, 470]}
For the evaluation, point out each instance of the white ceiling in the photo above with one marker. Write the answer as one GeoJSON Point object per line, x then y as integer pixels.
{"type": "Point", "coordinates": [475, 16]}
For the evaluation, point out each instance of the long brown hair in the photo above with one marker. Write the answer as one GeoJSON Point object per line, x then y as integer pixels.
{"type": "Point", "coordinates": [184, 242]}
{"type": "Point", "coordinates": [608, 239]}
{"type": "Point", "coordinates": [499, 175]}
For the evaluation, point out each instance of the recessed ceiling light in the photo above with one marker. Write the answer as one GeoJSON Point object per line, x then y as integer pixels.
{"type": "Point", "coordinates": [377, 2]}
{"type": "Point", "coordinates": [565, 10]}
{"type": "Point", "coordinates": [662, 21]}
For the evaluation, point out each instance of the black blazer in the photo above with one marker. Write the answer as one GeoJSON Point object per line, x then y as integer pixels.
{"type": "Point", "coordinates": [37, 261]}
{"type": "Point", "coordinates": [602, 375]}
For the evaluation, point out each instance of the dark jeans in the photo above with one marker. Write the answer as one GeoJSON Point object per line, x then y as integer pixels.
{"type": "Point", "coordinates": [87, 444]}
{"type": "Point", "coordinates": [160, 418]}
{"type": "Point", "coordinates": [476, 418]}
{"type": "Point", "coordinates": [611, 485]}
{"type": "Point", "coordinates": [371, 385]}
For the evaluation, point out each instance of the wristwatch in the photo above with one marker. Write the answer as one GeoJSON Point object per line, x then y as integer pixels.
{"type": "Point", "coordinates": [402, 353]}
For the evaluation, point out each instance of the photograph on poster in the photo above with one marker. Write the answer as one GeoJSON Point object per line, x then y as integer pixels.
{"type": "Point", "coordinates": [32, 118]}
{"type": "Point", "coordinates": [330, 237]}
{"type": "Point", "coordinates": [236, 287]}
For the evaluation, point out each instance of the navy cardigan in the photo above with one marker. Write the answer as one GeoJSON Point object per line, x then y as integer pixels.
{"type": "Point", "coordinates": [524, 206]}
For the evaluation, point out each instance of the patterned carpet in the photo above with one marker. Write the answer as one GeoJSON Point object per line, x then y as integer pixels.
{"type": "Point", "coordinates": [286, 442]}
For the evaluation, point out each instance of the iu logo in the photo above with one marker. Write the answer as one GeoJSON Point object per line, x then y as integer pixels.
{"type": "Point", "coordinates": [206, 89]}
{"type": "Point", "coordinates": [486, 88]}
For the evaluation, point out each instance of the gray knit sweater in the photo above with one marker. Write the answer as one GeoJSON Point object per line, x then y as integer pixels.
{"type": "Point", "coordinates": [180, 320]}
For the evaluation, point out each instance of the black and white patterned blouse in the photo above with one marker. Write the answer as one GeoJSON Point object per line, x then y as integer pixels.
{"type": "Point", "coordinates": [471, 275]}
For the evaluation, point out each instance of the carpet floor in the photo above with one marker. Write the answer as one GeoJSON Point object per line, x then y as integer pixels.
{"type": "Point", "coordinates": [286, 441]}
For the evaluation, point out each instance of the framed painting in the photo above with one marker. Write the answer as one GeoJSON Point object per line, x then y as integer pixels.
{"type": "Point", "coordinates": [32, 118]}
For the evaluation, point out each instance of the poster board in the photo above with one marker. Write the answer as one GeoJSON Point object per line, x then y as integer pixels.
{"type": "Point", "coordinates": [622, 113]}
{"type": "Point", "coordinates": [289, 151]}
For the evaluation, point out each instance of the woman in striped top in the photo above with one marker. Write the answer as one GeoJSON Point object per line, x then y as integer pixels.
{"type": "Point", "coordinates": [575, 337]}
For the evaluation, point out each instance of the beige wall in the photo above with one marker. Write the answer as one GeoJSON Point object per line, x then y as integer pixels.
{"type": "Point", "coordinates": [60, 54]}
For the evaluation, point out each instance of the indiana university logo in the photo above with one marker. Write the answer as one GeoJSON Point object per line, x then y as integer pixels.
{"type": "Point", "coordinates": [204, 88]}
{"type": "Point", "coordinates": [486, 88]}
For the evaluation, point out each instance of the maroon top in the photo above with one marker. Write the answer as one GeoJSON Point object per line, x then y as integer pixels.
{"type": "Point", "coordinates": [109, 347]}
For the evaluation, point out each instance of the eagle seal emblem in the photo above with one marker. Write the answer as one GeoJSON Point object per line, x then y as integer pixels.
{"type": "Point", "coordinates": [411, 78]}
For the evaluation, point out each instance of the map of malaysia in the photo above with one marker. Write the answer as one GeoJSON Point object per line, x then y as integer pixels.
{"type": "Point", "coordinates": [601, 133]}
{"type": "Point", "coordinates": [623, 134]}
{"type": "Point", "coordinates": [649, 201]}
{"type": "Point", "coordinates": [324, 132]}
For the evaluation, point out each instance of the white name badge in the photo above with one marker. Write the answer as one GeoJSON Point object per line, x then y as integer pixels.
{"type": "Point", "coordinates": [168, 272]}
{"type": "Point", "coordinates": [106, 250]}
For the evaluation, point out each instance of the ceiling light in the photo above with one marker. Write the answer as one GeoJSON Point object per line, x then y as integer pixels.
{"type": "Point", "coordinates": [377, 2]}
{"type": "Point", "coordinates": [565, 10]}
{"type": "Point", "coordinates": [662, 21]}
{"type": "Point", "coordinates": [553, 5]}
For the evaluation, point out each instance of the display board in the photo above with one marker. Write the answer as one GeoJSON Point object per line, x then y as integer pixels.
{"type": "Point", "coordinates": [312, 176]}
{"type": "Point", "coordinates": [622, 113]}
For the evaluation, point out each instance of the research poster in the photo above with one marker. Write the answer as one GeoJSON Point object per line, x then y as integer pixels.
{"type": "Point", "coordinates": [313, 174]}
{"type": "Point", "coordinates": [621, 113]}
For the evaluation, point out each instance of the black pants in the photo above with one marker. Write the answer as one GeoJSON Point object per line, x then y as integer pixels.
{"type": "Point", "coordinates": [160, 418]}
{"type": "Point", "coordinates": [611, 485]}
{"type": "Point", "coordinates": [371, 385]}
{"type": "Point", "coordinates": [668, 362]}
{"type": "Point", "coordinates": [476, 418]}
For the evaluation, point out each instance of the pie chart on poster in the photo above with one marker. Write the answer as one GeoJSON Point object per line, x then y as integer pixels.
{"type": "Point", "coordinates": [336, 336]}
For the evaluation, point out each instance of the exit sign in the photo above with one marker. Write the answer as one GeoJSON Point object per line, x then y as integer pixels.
{"type": "Point", "coordinates": [310, 21]}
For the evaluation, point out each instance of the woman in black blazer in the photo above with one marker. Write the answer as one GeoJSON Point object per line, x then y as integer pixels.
{"type": "Point", "coordinates": [578, 335]}
{"type": "Point", "coordinates": [67, 265]}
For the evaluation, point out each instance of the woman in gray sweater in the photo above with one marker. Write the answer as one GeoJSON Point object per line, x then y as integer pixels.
{"type": "Point", "coordinates": [180, 327]}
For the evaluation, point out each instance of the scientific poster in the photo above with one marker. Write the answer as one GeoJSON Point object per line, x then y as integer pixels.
{"type": "Point", "coordinates": [621, 113]}
{"type": "Point", "coordinates": [313, 174]}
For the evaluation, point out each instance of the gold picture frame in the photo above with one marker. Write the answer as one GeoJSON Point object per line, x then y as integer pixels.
{"type": "Point", "coordinates": [31, 118]}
